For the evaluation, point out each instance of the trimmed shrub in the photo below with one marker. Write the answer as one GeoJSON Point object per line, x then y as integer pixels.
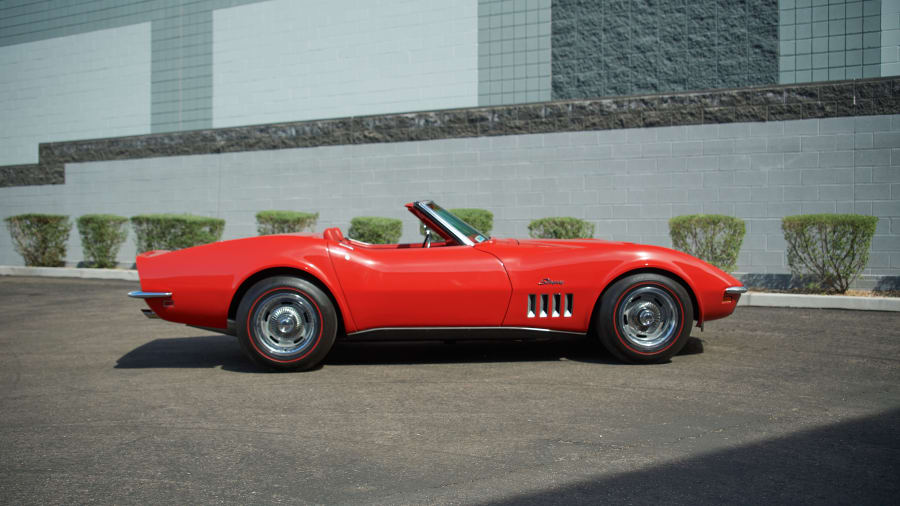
{"type": "Point", "coordinates": [481, 219]}
{"type": "Point", "coordinates": [561, 227]}
{"type": "Point", "coordinates": [284, 222]}
{"type": "Point", "coordinates": [101, 237]}
{"type": "Point", "coordinates": [375, 230]}
{"type": "Point", "coordinates": [713, 238]}
{"type": "Point", "coordinates": [175, 231]}
{"type": "Point", "coordinates": [40, 238]}
{"type": "Point", "coordinates": [833, 248]}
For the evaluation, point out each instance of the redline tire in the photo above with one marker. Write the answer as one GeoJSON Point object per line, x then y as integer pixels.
{"type": "Point", "coordinates": [645, 318]}
{"type": "Point", "coordinates": [286, 323]}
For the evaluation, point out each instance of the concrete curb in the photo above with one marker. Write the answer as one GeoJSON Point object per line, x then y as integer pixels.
{"type": "Point", "coordinates": [69, 272]}
{"type": "Point", "coordinates": [763, 299]}
{"type": "Point", "coordinates": [758, 299]}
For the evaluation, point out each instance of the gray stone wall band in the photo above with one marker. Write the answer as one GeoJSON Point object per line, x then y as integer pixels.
{"type": "Point", "coordinates": [772, 103]}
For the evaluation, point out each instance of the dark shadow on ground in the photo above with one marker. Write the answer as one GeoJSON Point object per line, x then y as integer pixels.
{"type": "Point", "coordinates": [580, 349]}
{"type": "Point", "coordinates": [439, 352]}
{"type": "Point", "coordinates": [224, 351]}
{"type": "Point", "coordinates": [189, 352]}
{"type": "Point", "coordinates": [855, 462]}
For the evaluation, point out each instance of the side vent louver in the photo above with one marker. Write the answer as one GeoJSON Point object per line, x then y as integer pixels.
{"type": "Point", "coordinates": [546, 305]}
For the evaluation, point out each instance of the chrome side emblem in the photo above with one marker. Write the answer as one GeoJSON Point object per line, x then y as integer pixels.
{"type": "Point", "coordinates": [548, 281]}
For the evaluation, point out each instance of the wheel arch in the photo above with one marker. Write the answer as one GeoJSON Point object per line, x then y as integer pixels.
{"type": "Point", "coordinates": [648, 270]}
{"type": "Point", "coordinates": [285, 271]}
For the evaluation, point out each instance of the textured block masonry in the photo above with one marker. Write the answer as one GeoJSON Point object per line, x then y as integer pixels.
{"type": "Point", "coordinates": [624, 47]}
{"type": "Point", "coordinates": [776, 103]}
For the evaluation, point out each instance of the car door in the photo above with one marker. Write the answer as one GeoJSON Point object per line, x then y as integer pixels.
{"type": "Point", "coordinates": [410, 286]}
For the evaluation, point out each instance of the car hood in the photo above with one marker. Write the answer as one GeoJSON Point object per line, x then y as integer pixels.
{"type": "Point", "coordinates": [573, 243]}
{"type": "Point", "coordinates": [599, 248]}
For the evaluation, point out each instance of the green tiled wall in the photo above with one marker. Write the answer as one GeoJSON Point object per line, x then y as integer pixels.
{"type": "Point", "coordinates": [825, 40]}
{"type": "Point", "coordinates": [181, 76]}
{"type": "Point", "coordinates": [513, 51]}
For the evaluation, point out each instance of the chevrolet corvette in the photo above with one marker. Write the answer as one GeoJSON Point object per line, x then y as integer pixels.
{"type": "Point", "coordinates": [288, 298]}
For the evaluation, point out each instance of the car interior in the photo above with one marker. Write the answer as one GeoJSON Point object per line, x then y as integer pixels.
{"type": "Point", "coordinates": [434, 240]}
{"type": "Point", "coordinates": [435, 236]}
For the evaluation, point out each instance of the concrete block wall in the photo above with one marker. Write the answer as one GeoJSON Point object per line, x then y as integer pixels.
{"type": "Point", "coordinates": [627, 182]}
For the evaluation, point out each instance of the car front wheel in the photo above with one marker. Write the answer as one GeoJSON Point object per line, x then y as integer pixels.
{"type": "Point", "coordinates": [645, 318]}
{"type": "Point", "coordinates": [286, 323]}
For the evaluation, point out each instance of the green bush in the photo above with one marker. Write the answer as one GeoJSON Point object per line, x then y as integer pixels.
{"type": "Point", "coordinates": [40, 238]}
{"type": "Point", "coordinates": [833, 248]}
{"type": "Point", "coordinates": [481, 219]}
{"type": "Point", "coordinates": [375, 230]}
{"type": "Point", "coordinates": [561, 227]}
{"type": "Point", "coordinates": [101, 237]}
{"type": "Point", "coordinates": [714, 238]}
{"type": "Point", "coordinates": [175, 231]}
{"type": "Point", "coordinates": [284, 222]}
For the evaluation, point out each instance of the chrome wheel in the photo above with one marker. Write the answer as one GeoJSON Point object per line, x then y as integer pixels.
{"type": "Point", "coordinates": [285, 323]}
{"type": "Point", "coordinates": [648, 317]}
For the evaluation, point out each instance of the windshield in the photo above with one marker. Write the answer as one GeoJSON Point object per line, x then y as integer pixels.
{"type": "Point", "coordinates": [468, 230]}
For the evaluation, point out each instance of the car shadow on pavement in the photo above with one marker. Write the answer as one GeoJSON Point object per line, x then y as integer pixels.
{"type": "Point", "coordinates": [439, 352]}
{"type": "Point", "coordinates": [189, 352]}
{"type": "Point", "coordinates": [224, 352]}
{"type": "Point", "coordinates": [851, 462]}
{"type": "Point", "coordinates": [579, 349]}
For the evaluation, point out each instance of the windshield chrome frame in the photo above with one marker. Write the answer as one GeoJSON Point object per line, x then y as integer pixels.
{"type": "Point", "coordinates": [422, 205]}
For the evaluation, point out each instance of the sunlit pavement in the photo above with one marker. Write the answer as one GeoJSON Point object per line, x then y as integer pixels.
{"type": "Point", "coordinates": [101, 405]}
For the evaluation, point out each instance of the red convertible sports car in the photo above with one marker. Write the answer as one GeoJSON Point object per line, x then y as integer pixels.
{"type": "Point", "coordinates": [289, 297]}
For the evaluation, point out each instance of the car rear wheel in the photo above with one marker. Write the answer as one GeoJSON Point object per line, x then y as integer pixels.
{"type": "Point", "coordinates": [645, 318]}
{"type": "Point", "coordinates": [286, 323]}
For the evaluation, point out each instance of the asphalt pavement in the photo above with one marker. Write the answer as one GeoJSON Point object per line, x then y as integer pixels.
{"type": "Point", "coordinates": [101, 405]}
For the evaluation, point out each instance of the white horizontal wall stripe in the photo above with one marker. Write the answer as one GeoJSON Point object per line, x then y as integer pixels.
{"type": "Point", "coordinates": [289, 60]}
{"type": "Point", "coordinates": [94, 84]}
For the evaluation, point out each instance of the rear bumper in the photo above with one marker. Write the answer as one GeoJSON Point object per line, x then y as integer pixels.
{"type": "Point", "coordinates": [149, 295]}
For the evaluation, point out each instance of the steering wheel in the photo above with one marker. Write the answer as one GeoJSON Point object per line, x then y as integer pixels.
{"type": "Point", "coordinates": [427, 242]}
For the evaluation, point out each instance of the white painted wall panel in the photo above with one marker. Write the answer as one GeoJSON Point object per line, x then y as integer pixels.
{"type": "Point", "coordinates": [288, 60]}
{"type": "Point", "coordinates": [90, 85]}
